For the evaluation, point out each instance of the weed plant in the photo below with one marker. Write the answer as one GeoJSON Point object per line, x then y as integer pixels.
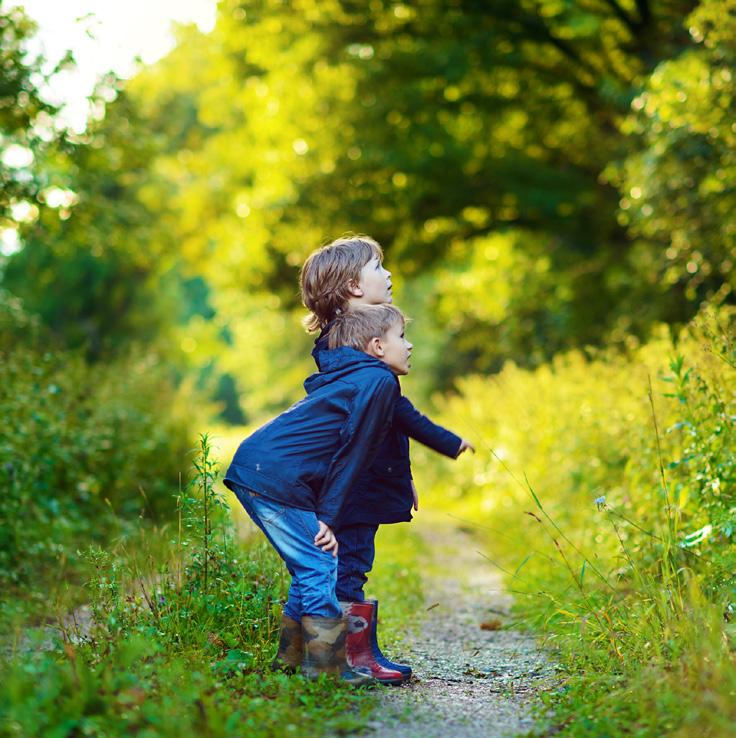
{"type": "Point", "coordinates": [608, 492]}
{"type": "Point", "coordinates": [180, 644]}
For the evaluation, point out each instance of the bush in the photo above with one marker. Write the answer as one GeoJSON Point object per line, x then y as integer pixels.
{"type": "Point", "coordinates": [610, 484]}
{"type": "Point", "coordinates": [83, 448]}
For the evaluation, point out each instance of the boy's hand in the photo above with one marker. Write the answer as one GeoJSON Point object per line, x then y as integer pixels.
{"type": "Point", "coordinates": [465, 446]}
{"type": "Point", "coordinates": [325, 538]}
{"type": "Point", "coordinates": [414, 495]}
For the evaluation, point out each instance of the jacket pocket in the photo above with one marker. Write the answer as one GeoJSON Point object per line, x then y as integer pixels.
{"type": "Point", "coordinates": [391, 468]}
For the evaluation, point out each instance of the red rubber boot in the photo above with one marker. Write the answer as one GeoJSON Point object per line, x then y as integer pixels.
{"type": "Point", "coordinates": [358, 646]}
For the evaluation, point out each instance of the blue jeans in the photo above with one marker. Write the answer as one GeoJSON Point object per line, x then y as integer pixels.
{"type": "Point", "coordinates": [313, 571]}
{"type": "Point", "coordinates": [357, 549]}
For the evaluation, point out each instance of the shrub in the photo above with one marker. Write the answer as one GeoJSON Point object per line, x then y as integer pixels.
{"type": "Point", "coordinates": [609, 490]}
{"type": "Point", "coordinates": [84, 449]}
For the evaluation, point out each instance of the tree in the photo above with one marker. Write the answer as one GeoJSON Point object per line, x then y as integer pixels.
{"type": "Point", "coordinates": [28, 130]}
{"type": "Point", "coordinates": [99, 264]}
{"type": "Point", "coordinates": [679, 185]}
{"type": "Point", "coordinates": [437, 128]}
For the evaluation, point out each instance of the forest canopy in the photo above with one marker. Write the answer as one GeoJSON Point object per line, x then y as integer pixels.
{"type": "Point", "coordinates": [542, 175]}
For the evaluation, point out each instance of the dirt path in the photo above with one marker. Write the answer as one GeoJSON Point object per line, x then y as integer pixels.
{"type": "Point", "coordinates": [470, 682]}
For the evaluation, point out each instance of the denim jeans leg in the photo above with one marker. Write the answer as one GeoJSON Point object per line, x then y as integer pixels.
{"type": "Point", "coordinates": [314, 572]}
{"type": "Point", "coordinates": [357, 552]}
{"type": "Point", "coordinates": [293, 605]}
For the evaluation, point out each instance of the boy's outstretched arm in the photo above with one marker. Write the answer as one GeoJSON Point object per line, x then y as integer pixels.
{"type": "Point", "coordinates": [419, 427]}
{"type": "Point", "coordinates": [369, 421]}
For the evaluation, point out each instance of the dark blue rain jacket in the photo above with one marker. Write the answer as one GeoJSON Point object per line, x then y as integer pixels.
{"type": "Point", "coordinates": [310, 456]}
{"type": "Point", "coordinates": [382, 492]}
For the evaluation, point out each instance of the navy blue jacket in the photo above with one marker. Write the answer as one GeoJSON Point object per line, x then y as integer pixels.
{"type": "Point", "coordinates": [310, 456]}
{"type": "Point", "coordinates": [382, 493]}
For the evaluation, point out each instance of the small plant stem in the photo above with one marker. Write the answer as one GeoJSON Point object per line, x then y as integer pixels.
{"type": "Point", "coordinates": [501, 534]}
{"type": "Point", "coordinates": [178, 537]}
{"type": "Point", "coordinates": [594, 568]}
{"type": "Point", "coordinates": [628, 556]}
{"type": "Point", "coordinates": [205, 494]}
{"type": "Point", "coordinates": [618, 515]}
{"type": "Point", "coordinates": [148, 600]}
{"type": "Point", "coordinates": [665, 488]}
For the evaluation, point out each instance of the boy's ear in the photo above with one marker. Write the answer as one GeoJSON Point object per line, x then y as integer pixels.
{"type": "Point", "coordinates": [354, 288]}
{"type": "Point", "coordinates": [374, 348]}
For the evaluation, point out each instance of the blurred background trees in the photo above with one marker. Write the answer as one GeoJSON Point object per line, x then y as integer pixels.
{"type": "Point", "coordinates": [543, 175]}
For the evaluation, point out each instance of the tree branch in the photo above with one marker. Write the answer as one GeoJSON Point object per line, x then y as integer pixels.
{"type": "Point", "coordinates": [619, 12]}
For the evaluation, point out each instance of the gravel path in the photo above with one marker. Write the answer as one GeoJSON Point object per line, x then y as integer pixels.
{"type": "Point", "coordinates": [470, 681]}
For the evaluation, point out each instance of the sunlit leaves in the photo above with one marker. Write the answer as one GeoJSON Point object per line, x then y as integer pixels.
{"type": "Point", "coordinates": [27, 127]}
{"type": "Point", "coordinates": [679, 189]}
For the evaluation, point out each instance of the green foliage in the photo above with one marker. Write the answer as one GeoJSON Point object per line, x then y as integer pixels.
{"type": "Point", "coordinates": [677, 189]}
{"type": "Point", "coordinates": [100, 267]}
{"type": "Point", "coordinates": [180, 645]}
{"type": "Point", "coordinates": [143, 690]}
{"type": "Point", "coordinates": [83, 449]}
{"type": "Point", "coordinates": [439, 130]}
{"type": "Point", "coordinates": [27, 132]}
{"type": "Point", "coordinates": [609, 481]}
{"type": "Point", "coordinates": [543, 176]}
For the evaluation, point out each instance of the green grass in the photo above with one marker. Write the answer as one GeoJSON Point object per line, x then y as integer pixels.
{"type": "Point", "coordinates": [635, 596]}
{"type": "Point", "coordinates": [184, 627]}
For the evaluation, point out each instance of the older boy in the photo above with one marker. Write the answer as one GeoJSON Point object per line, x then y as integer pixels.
{"type": "Point", "coordinates": [337, 279]}
{"type": "Point", "coordinates": [293, 474]}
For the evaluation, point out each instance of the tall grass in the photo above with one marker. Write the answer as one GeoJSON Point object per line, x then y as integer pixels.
{"type": "Point", "coordinates": [608, 492]}
{"type": "Point", "coordinates": [177, 644]}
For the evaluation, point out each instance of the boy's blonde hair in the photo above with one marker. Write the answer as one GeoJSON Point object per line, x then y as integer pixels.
{"type": "Point", "coordinates": [326, 275]}
{"type": "Point", "coordinates": [356, 327]}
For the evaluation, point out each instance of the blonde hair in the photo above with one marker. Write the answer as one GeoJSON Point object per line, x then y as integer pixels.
{"type": "Point", "coordinates": [326, 275]}
{"type": "Point", "coordinates": [356, 327]}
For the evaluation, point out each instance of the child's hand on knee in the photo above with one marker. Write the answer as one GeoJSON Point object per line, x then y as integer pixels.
{"type": "Point", "coordinates": [325, 538]}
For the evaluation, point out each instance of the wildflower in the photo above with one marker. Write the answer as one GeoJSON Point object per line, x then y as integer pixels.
{"type": "Point", "coordinates": [600, 502]}
{"type": "Point", "coordinates": [161, 600]}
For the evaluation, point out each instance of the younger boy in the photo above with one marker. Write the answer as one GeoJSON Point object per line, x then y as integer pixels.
{"type": "Point", "coordinates": [341, 277]}
{"type": "Point", "coordinates": [293, 474]}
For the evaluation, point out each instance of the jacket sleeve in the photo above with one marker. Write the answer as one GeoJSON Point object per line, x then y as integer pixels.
{"type": "Point", "coordinates": [368, 422]}
{"type": "Point", "coordinates": [419, 427]}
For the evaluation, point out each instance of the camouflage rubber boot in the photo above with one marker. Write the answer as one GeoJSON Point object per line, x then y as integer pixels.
{"type": "Point", "coordinates": [324, 650]}
{"type": "Point", "coordinates": [289, 655]}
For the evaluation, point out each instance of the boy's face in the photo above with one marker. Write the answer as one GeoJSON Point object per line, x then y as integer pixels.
{"type": "Point", "coordinates": [394, 349]}
{"type": "Point", "coordinates": [373, 286]}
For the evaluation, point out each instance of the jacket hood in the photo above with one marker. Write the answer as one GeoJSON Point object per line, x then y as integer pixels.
{"type": "Point", "coordinates": [321, 344]}
{"type": "Point", "coordinates": [340, 362]}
